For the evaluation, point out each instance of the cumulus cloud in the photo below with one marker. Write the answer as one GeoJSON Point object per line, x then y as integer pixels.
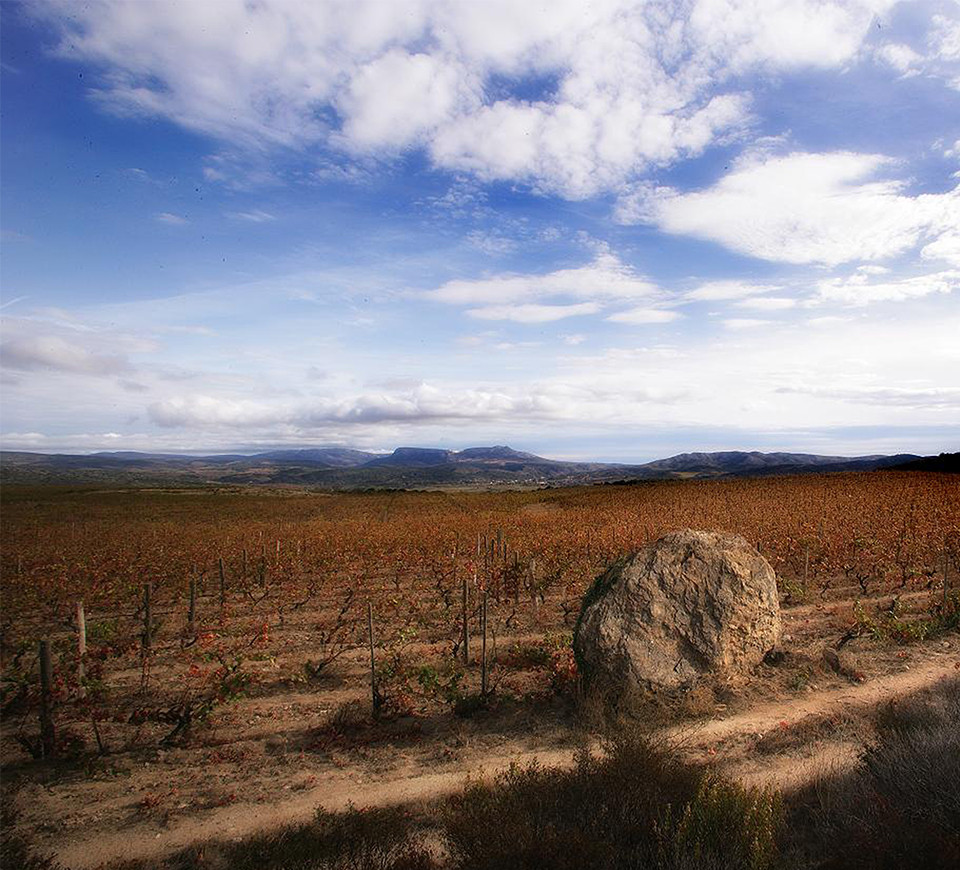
{"type": "Point", "coordinates": [398, 98]}
{"type": "Point", "coordinates": [52, 353]}
{"type": "Point", "coordinates": [858, 289]}
{"type": "Point", "coordinates": [944, 38]}
{"type": "Point", "coordinates": [625, 86]}
{"type": "Point", "coordinates": [802, 208]}
{"type": "Point", "coordinates": [946, 247]}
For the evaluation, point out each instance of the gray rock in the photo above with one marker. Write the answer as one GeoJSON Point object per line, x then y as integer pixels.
{"type": "Point", "coordinates": [694, 603]}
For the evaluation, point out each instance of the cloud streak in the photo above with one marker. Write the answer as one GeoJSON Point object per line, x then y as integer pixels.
{"type": "Point", "coordinates": [52, 353]}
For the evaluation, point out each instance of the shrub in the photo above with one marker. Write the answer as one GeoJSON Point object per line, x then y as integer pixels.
{"type": "Point", "coordinates": [900, 807]}
{"type": "Point", "coordinates": [635, 807]}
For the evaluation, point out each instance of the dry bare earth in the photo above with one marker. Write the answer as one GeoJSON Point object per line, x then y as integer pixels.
{"type": "Point", "coordinates": [266, 761]}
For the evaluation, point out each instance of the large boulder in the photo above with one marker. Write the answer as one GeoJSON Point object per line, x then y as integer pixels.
{"type": "Point", "coordinates": [692, 604]}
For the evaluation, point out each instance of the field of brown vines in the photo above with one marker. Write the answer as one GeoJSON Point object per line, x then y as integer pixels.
{"type": "Point", "coordinates": [282, 581]}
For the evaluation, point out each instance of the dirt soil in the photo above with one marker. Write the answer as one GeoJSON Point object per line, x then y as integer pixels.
{"type": "Point", "coordinates": [293, 745]}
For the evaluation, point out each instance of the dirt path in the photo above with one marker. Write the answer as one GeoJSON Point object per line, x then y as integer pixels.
{"type": "Point", "coordinates": [237, 822]}
{"type": "Point", "coordinates": [730, 741]}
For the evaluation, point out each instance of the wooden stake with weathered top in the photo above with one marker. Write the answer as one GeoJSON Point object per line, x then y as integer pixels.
{"type": "Point", "coordinates": [147, 619]}
{"type": "Point", "coordinates": [48, 735]}
{"type": "Point", "coordinates": [946, 564]}
{"type": "Point", "coordinates": [483, 654]}
{"type": "Point", "coordinates": [192, 613]}
{"type": "Point", "coordinates": [374, 695]}
{"type": "Point", "coordinates": [81, 649]}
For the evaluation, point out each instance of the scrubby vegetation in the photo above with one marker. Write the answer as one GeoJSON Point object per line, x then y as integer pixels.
{"type": "Point", "coordinates": [900, 807]}
{"type": "Point", "coordinates": [637, 805]}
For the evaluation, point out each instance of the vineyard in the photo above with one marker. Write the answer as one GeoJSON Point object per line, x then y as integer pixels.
{"type": "Point", "coordinates": [138, 620]}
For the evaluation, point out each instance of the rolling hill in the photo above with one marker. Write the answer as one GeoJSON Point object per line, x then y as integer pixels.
{"type": "Point", "coordinates": [414, 468]}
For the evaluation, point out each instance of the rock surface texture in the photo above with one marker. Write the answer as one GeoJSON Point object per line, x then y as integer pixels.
{"type": "Point", "coordinates": [693, 603]}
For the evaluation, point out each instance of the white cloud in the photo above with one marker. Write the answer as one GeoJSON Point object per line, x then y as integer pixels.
{"type": "Point", "coordinates": [714, 291]}
{"type": "Point", "coordinates": [901, 57]}
{"type": "Point", "coordinates": [858, 290]}
{"type": "Point", "coordinates": [606, 279]}
{"type": "Point", "coordinates": [783, 33]}
{"type": "Point", "coordinates": [631, 85]}
{"type": "Point", "coordinates": [946, 247]}
{"type": "Point", "coordinates": [802, 208]}
{"type": "Point", "coordinates": [767, 303]}
{"type": "Point", "coordinates": [639, 316]}
{"type": "Point", "coordinates": [744, 323]}
{"type": "Point", "coordinates": [532, 313]}
{"type": "Point", "coordinates": [945, 38]}
{"type": "Point", "coordinates": [396, 99]}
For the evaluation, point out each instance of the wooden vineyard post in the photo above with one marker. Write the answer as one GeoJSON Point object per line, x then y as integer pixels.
{"type": "Point", "coordinates": [374, 695]}
{"type": "Point", "coordinates": [483, 654]}
{"type": "Point", "coordinates": [466, 604]}
{"type": "Point", "coordinates": [147, 633]}
{"type": "Point", "coordinates": [81, 649]}
{"type": "Point", "coordinates": [533, 589]}
{"type": "Point", "coordinates": [222, 582]}
{"type": "Point", "coordinates": [946, 564]}
{"type": "Point", "coordinates": [244, 563]}
{"type": "Point", "coordinates": [466, 625]}
{"type": "Point", "coordinates": [192, 612]}
{"type": "Point", "coordinates": [147, 618]}
{"type": "Point", "coordinates": [48, 736]}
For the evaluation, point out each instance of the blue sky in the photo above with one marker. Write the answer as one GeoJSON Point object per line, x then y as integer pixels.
{"type": "Point", "coordinates": [610, 231]}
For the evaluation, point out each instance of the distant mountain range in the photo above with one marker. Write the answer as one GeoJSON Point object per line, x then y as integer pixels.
{"type": "Point", "coordinates": [417, 468]}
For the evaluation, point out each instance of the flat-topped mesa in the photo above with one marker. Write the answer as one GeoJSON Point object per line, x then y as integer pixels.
{"type": "Point", "coordinates": [692, 604]}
